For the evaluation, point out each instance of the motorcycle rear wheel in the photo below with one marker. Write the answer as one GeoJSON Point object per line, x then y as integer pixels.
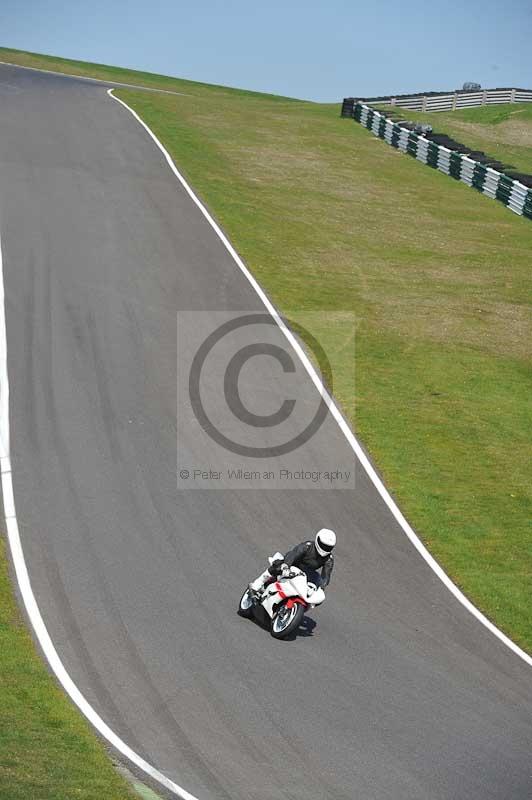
{"type": "Point", "coordinates": [245, 607]}
{"type": "Point", "coordinates": [287, 620]}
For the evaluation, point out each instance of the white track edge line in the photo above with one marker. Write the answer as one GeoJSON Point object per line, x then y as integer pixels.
{"type": "Point", "coordinates": [26, 590]}
{"type": "Point", "coordinates": [95, 80]}
{"type": "Point", "coordinates": [344, 427]}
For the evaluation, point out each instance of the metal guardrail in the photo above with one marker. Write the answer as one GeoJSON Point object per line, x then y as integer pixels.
{"type": "Point", "coordinates": [447, 101]}
{"type": "Point", "coordinates": [515, 195]}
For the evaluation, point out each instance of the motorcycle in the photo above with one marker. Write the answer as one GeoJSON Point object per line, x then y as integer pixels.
{"type": "Point", "coordinates": [283, 601]}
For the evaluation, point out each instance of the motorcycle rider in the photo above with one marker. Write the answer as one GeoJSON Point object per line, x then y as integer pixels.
{"type": "Point", "coordinates": [308, 557]}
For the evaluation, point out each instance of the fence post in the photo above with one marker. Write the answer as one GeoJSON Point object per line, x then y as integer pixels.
{"type": "Point", "coordinates": [453, 107]}
{"type": "Point", "coordinates": [348, 106]}
{"type": "Point", "coordinates": [484, 97]}
{"type": "Point", "coordinates": [424, 103]}
{"type": "Point", "coordinates": [512, 96]}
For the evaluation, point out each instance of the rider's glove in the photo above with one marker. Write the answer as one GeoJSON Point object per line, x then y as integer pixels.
{"type": "Point", "coordinates": [276, 568]}
{"type": "Point", "coordinates": [285, 570]}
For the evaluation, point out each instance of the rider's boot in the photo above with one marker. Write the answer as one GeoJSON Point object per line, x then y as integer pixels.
{"type": "Point", "coordinates": [254, 593]}
{"type": "Point", "coordinates": [256, 587]}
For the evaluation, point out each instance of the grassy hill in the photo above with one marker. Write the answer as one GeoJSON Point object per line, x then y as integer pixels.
{"type": "Point", "coordinates": [107, 72]}
{"type": "Point", "coordinates": [439, 277]}
{"type": "Point", "coordinates": [504, 132]}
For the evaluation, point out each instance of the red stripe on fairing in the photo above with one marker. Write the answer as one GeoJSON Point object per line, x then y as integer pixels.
{"type": "Point", "coordinates": [292, 601]}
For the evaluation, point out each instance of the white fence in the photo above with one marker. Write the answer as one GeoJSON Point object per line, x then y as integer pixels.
{"type": "Point", "coordinates": [451, 101]}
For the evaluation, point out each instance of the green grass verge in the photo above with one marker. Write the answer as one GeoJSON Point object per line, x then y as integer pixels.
{"type": "Point", "coordinates": [504, 132]}
{"type": "Point", "coordinates": [328, 217]}
{"type": "Point", "coordinates": [47, 751]}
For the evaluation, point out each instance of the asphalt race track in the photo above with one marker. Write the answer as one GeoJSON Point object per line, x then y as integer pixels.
{"type": "Point", "coordinates": [397, 693]}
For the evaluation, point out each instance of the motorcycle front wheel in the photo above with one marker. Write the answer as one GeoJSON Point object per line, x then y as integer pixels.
{"type": "Point", "coordinates": [245, 607]}
{"type": "Point", "coordinates": [287, 620]}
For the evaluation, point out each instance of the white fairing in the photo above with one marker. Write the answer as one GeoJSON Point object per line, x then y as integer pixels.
{"type": "Point", "coordinates": [276, 557]}
{"type": "Point", "coordinates": [293, 585]}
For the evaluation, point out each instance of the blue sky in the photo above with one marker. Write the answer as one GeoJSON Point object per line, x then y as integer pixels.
{"type": "Point", "coordinates": [316, 50]}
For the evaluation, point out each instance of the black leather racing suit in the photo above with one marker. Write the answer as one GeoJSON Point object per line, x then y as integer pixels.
{"type": "Point", "coordinates": [306, 557]}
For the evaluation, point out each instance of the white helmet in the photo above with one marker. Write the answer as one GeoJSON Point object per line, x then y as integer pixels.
{"type": "Point", "coordinates": [325, 541]}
